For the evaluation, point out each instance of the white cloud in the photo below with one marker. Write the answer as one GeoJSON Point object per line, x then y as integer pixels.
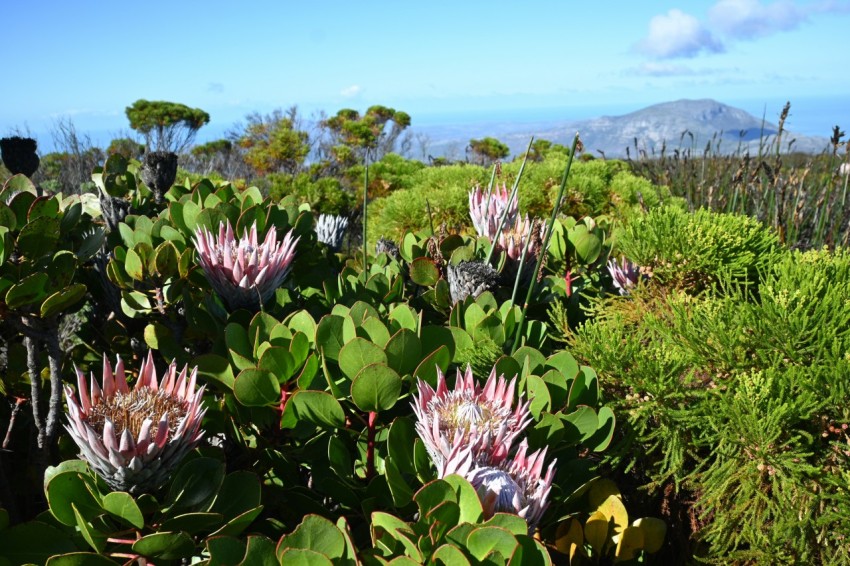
{"type": "Point", "coordinates": [746, 19]}
{"type": "Point", "coordinates": [656, 69]}
{"type": "Point", "coordinates": [351, 91]}
{"type": "Point", "coordinates": [677, 34]}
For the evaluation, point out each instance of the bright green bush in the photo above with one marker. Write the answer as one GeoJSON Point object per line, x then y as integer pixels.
{"type": "Point", "coordinates": [738, 399]}
{"type": "Point", "coordinates": [693, 250]}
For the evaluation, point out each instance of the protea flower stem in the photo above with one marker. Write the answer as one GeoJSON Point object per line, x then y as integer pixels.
{"type": "Point", "coordinates": [545, 247]}
{"type": "Point", "coordinates": [522, 263]}
{"type": "Point", "coordinates": [370, 445]}
{"type": "Point", "coordinates": [430, 218]}
{"type": "Point", "coordinates": [513, 196]}
{"type": "Point", "coordinates": [365, 203]}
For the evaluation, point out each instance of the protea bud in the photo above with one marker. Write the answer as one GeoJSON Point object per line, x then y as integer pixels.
{"type": "Point", "coordinates": [386, 246]}
{"type": "Point", "coordinates": [482, 419]}
{"type": "Point", "coordinates": [158, 171]}
{"type": "Point", "coordinates": [134, 438]}
{"type": "Point", "coordinates": [470, 278]}
{"type": "Point", "coordinates": [243, 272]}
{"type": "Point", "coordinates": [486, 209]}
{"type": "Point", "coordinates": [625, 275]}
{"type": "Point", "coordinates": [19, 155]}
{"type": "Point", "coordinates": [517, 486]}
{"type": "Point", "coordinates": [330, 230]}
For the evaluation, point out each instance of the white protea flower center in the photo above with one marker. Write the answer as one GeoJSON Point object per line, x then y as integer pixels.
{"type": "Point", "coordinates": [498, 491]}
{"type": "Point", "coordinates": [131, 410]}
{"type": "Point", "coordinates": [463, 413]}
{"type": "Point", "coordinates": [133, 438]}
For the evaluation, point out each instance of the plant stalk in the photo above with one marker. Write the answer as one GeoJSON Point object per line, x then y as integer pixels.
{"type": "Point", "coordinates": [544, 249]}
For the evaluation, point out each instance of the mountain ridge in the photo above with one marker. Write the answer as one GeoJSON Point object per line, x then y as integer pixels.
{"type": "Point", "coordinates": [679, 124]}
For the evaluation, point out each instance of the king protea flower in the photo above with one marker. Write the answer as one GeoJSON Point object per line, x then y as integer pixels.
{"type": "Point", "coordinates": [486, 209]}
{"type": "Point", "coordinates": [330, 230]}
{"type": "Point", "coordinates": [624, 274]}
{"type": "Point", "coordinates": [481, 418]}
{"type": "Point", "coordinates": [512, 238]}
{"type": "Point", "coordinates": [134, 438]}
{"type": "Point", "coordinates": [470, 431]}
{"type": "Point", "coordinates": [517, 486]}
{"type": "Point", "coordinates": [243, 272]}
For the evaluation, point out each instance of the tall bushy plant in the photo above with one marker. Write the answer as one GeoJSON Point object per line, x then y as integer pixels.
{"type": "Point", "coordinates": [738, 398]}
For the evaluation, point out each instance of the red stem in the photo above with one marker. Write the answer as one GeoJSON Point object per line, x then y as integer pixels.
{"type": "Point", "coordinates": [370, 445]}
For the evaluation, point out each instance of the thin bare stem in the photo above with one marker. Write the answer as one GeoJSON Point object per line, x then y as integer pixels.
{"type": "Point", "coordinates": [544, 249]}
{"type": "Point", "coordinates": [365, 203]}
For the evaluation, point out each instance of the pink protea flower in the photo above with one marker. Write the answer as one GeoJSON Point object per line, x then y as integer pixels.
{"type": "Point", "coordinates": [513, 238]}
{"type": "Point", "coordinates": [517, 486]}
{"type": "Point", "coordinates": [244, 272]}
{"type": "Point", "coordinates": [486, 209]}
{"type": "Point", "coordinates": [625, 275]}
{"type": "Point", "coordinates": [482, 419]}
{"type": "Point", "coordinates": [134, 438]}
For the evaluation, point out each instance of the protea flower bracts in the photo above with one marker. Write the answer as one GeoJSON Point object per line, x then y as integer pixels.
{"type": "Point", "coordinates": [244, 272]}
{"type": "Point", "coordinates": [470, 431]}
{"type": "Point", "coordinates": [134, 438]}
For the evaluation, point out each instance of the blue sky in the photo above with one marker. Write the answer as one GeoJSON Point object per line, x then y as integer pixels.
{"type": "Point", "coordinates": [440, 60]}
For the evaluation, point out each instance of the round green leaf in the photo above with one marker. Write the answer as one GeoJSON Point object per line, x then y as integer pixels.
{"type": "Point", "coordinates": [195, 485]}
{"type": "Point", "coordinates": [29, 290]}
{"type": "Point", "coordinates": [317, 534]}
{"type": "Point", "coordinates": [165, 260]}
{"type": "Point", "coordinates": [133, 265]}
{"type": "Point", "coordinates": [7, 216]}
{"type": "Point", "coordinates": [484, 540]}
{"type": "Point", "coordinates": [279, 362]}
{"type": "Point", "coordinates": [43, 207]}
{"type": "Point", "coordinates": [653, 533]}
{"type": "Point", "coordinates": [62, 300]}
{"type": "Point", "coordinates": [33, 543]}
{"type": "Point", "coordinates": [588, 246]}
{"type": "Point", "coordinates": [213, 367]}
{"type": "Point", "coordinates": [424, 272]}
{"type": "Point", "coordinates": [427, 369]}
{"type": "Point", "coordinates": [193, 523]}
{"type": "Point", "coordinates": [122, 505]}
{"type": "Point", "coordinates": [317, 407]}
{"type": "Point", "coordinates": [358, 354]}
{"type": "Point", "coordinates": [403, 351]}
{"type": "Point", "coordinates": [303, 557]}
{"type": "Point", "coordinates": [166, 545]}
{"type": "Point", "coordinates": [235, 526]}
{"type": "Point", "coordinates": [240, 492]}
{"type": "Point", "coordinates": [601, 439]}
{"type": "Point", "coordinates": [38, 237]}
{"type": "Point", "coordinates": [80, 559]}
{"type": "Point", "coordinates": [65, 489]}
{"type": "Point", "coordinates": [255, 387]}
{"type": "Point", "coordinates": [376, 388]}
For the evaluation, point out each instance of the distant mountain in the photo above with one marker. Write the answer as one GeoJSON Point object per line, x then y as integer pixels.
{"type": "Point", "coordinates": [683, 124]}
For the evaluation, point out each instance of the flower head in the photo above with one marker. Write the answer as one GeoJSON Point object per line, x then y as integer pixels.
{"type": "Point", "coordinates": [486, 209]}
{"type": "Point", "coordinates": [330, 230]}
{"type": "Point", "coordinates": [134, 438]}
{"type": "Point", "coordinates": [517, 486]}
{"type": "Point", "coordinates": [513, 238]}
{"type": "Point", "coordinates": [625, 275]}
{"type": "Point", "coordinates": [482, 419]}
{"type": "Point", "coordinates": [470, 278]}
{"type": "Point", "coordinates": [244, 272]}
